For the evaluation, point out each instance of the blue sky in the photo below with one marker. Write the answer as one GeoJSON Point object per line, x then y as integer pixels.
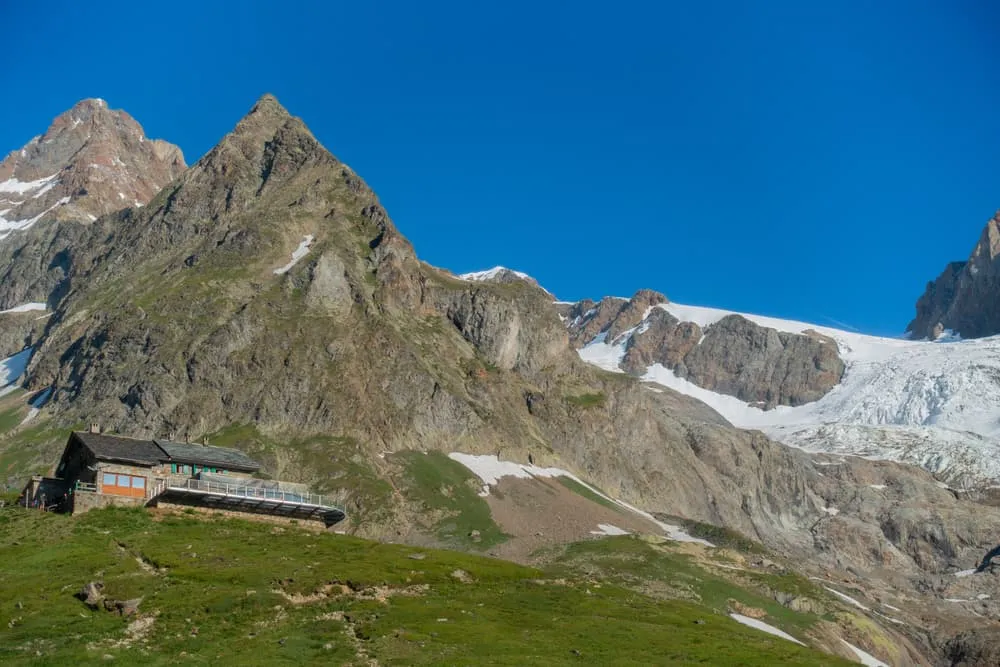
{"type": "Point", "coordinates": [820, 161]}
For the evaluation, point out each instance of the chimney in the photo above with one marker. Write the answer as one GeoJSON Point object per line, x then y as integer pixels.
{"type": "Point", "coordinates": [95, 427]}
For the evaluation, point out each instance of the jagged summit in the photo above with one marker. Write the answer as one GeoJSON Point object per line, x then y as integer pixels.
{"type": "Point", "coordinates": [269, 104]}
{"type": "Point", "coordinates": [92, 160]}
{"type": "Point", "coordinates": [965, 298]}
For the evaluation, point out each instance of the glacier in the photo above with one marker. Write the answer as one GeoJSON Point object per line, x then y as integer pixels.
{"type": "Point", "coordinates": [935, 404]}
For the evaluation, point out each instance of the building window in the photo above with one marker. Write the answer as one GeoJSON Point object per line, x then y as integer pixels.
{"type": "Point", "coordinates": [124, 485]}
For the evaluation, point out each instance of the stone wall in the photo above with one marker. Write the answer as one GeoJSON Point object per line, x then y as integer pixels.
{"type": "Point", "coordinates": [84, 501]}
{"type": "Point", "coordinates": [316, 525]}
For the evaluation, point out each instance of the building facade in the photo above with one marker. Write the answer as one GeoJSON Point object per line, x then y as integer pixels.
{"type": "Point", "coordinates": [97, 470]}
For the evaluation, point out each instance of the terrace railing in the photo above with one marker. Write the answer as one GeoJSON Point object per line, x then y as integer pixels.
{"type": "Point", "coordinates": [251, 492]}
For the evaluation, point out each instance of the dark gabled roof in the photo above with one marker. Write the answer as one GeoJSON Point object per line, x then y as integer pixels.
{"type": "Point", "coordinates": [220, 457]}
{"type": "Point", "coordinates": [119, 449]}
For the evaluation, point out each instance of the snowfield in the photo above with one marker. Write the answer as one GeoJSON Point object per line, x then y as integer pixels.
{"type": "Point", "coordinates": [935, 404]}
{"type": "Point", "coordinates": [491, 469]}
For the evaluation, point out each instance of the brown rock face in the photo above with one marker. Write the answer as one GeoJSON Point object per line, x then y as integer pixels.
{"type": "Point", "coordinates": [763, 366]}
{"type": "Point", "coordinates": [733, 356]}
{"type": "Point", "coordinates": [91, 161]}
{"type": "Point", "coordinates": [666, 341]}
{"type": "Point", "coordinates": [966, 296]}
{"type": "Point", "coordinates": [611, 314]}
{"type": "Point", "coordinates": [98, 158]}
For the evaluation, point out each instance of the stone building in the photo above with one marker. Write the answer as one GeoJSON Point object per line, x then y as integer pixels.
{"type": "Point", "coordinates": [97, 470]}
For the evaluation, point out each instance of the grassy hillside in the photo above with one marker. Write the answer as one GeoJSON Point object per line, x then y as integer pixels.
{"type": "Point", "coordinates": [224, 591]}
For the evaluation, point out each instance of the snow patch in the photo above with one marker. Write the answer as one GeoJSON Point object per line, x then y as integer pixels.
{"type": "Point", "coordinates": [490, 274]}
{"type": "Point", "coordinates": [23, 187]}
{"type": "Point", "coordinates": [864, 657]}
{"type": "Point", "coordinates": [297, 254]}
{"type": "Point", "coordinates": [832, 511]}
{"type": "Point", "coordinates": [13, 366]}
{"type": "Point", "coordinates": [763, 627]}
{"type": "Point", "coordinates": [7, 226]}
{"type": "Point", "coordinates": [847, 598]}
{"type": "Point", "coordinates": [608, 529]}
{"type": "Point", "coordinates": [25, 308]}
{"type": "Point", "coordinates": [599, 353]}
{"type": "Point", "coordinates": [965, 573]}
{"type": "Point", "coordinates": [879, 487]}
{"type": "Point", "coordinates": [491, 469]}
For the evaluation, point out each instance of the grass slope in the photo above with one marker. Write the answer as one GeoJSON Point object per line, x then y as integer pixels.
{"type": "Point", "coordinates": [449, 491]}
{"type": "Point", "coordinates": [662, 572]}
{"type": "Point", "coordinates": [223, 591]}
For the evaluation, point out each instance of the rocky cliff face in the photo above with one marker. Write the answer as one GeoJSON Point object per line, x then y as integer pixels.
{"type": "Point", "coordinates": [966, 296]}
{"type": "Point", "coordinates": [267, 286]}
{"type": "Point", "coordinates": [91, 161]}
{"type": "Point", "coordinates": [732, 356]}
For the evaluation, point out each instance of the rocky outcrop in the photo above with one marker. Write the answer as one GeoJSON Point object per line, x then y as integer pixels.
{"type": "Point", "coordinates": [91, 161]}
{"type": "Point", "coordinates": [965, 298]}
{"type": "Point", "coordinates": [763, 366]}
{"type": "Point", "coordinates": [20, 330]}
{"type": "Point", "coordinates": [611, 315]}
{"type": "Point", "coordinates": [979, 647]}
{"type": "Point", "coordinates": [733, 356]}
{"type": "Point", "coordinates": [666, 340]}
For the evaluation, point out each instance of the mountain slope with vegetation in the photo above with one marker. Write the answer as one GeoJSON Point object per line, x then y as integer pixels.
{"type": "Point", "coordinates": [265, 300]}
{"type": "Point", "coordinates": [238, 592]}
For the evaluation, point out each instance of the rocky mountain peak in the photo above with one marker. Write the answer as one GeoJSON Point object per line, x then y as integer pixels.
{"type": "Point", "coordinates": [266, 148]}
{"type": "Point", "coordinates": [964, 298]}
{"type": "Point", "coordinates": [92, 160]}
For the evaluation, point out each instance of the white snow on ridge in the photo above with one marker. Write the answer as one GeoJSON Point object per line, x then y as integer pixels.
{"type": "Point", "coordinates": [23, 187]}
{"type": "Point", "coordinates": [935, 404]}
{"type": "Point", "coordinates": [763, 627]}
{"type": "Point", "coordinates": [7, 226]}
{"type": "Point", "coordinates": [297, 254]}
{"type": "Point", "coordinates": [608, 529]}
{"type": "Point", "coordinates": [491, 469]}
{"type": "Point", "coordinates": [847, 598]}
{"type": "Point", "coordinates": [25, 308]}
{"type": "Point", "coordinates": [490, 274]}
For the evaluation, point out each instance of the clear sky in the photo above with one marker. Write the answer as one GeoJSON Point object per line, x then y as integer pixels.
{"type": "Point", "coordinates": [814, 160]}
